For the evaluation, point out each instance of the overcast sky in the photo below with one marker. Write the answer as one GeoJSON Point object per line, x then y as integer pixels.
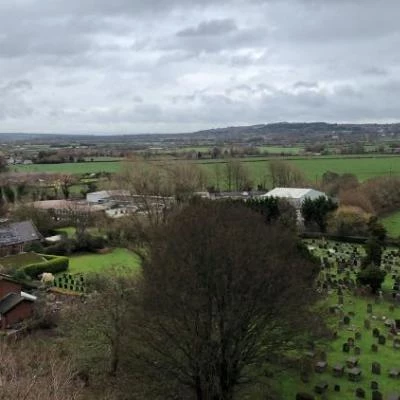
{"type": "Point", "coordinates": [139, 66]}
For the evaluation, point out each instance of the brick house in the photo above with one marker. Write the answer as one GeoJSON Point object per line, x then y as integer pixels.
{"type": "Point", "coordinates": [15, 305]}
{"type": "Point", "coordinates": [15, 235]}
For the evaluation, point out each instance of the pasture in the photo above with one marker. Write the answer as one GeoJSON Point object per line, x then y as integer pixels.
{"type": "Point", "coordinates": [363, 167]}
{"type": "Point", "coordinates": [70, 168]}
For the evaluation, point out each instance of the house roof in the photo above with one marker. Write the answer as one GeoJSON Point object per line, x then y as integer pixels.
{"type": "Point", "coordinates": [11, 300]}
{"type": "Point", "coordinates": [18, 232]}
{"type": "Point", "coordinates": [293, 193]}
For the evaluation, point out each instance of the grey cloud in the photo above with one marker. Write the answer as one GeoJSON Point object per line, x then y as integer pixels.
{"type": "Point", "coordinates": [305, 85]}
{"type": "Point", "coordinates": [210, 28]}
{"type": "Point", "coordinates": [178, 65]}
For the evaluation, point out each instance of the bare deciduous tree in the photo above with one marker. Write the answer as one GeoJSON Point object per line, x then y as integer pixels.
{"type": "Point", "coordinates": [221, 291]}
{"type": "Point", "coordinates": [284, 174]}
{"type": "Point", "coordinates": [32, 372]}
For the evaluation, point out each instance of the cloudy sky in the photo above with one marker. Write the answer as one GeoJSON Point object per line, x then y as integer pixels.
{"type": "Point", "coordinates": [139, 66]}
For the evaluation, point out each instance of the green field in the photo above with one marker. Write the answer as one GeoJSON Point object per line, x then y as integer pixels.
{"type": "Point", "coordinates": [72, 168]}
{"type": "Point", "coordinates": [99, 263]}
{"type": "Point", "coordinates": [363, 167]}
{"type": "Point", "coordinates": [392, 224]}
{"type": "Point", "coordinates": [355, 306]}
{"type": "Point", "coordinates": [281, 149]}
{"type": "Point", "coordinates": [313, 168]}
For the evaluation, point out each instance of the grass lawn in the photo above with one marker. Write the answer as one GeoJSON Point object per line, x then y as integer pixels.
{"type": "Point", "coordinates": [19, 260]}
{"type": "Point", "coordinates": [98, 263]}
{"type": "Point", "coordinates": [392, 224]}
{"type": "Point", "coordinates": [70, 231]}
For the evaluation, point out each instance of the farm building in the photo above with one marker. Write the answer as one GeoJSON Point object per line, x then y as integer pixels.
{"type": "Point", "coordinates": [15, 305]}
{"type": "Point", "coordinates": [64, 208]}
{"type": "Point", "coordinates": [14, 236]}
{"type": "Point", "coordinates": [294, 196]}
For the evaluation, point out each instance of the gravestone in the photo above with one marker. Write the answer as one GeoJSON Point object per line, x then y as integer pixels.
{"type": "Point", "coordinates": [338, 370]}
{"type": "Point", "coordinates": [304, 396]}
{"type": "Point", "coordinates": [369, 308]}
{"type": "Point", "coordinates": [374, 348]}
{"type": "Point", "coordinates": [394, 373]}
{"type": "Point", "coordinates": [321, 387]}
{"type": "Point", "coordinates": [374, 385]}
{"type": "Point", "coordinates": [376, 395]}
{"type": "Point", "coordinates": [345, 348]}
{"type": "Point", "coordinates": [376, 368]}
{"type": "Point", "coordinates": [352, 362]}
{"type": "Point", "coordinates": [336, 388]}
{"type": "Point", "coordinates": [320, 367]}
{"type": "Point", "coordinates": [367, 324]}
{"type": "Point", "coordinates": [375, 332]}
{"type": "Point", "coordinates": [346, 320]}
{"type": "Point", "coordinates": [382, 340]}
{"type": "Point", "coordinates": [358, 335]}
{"type": "Point", "coordinates": [357, 351]}
{"type": "Point", "coordinates": [360, 393]}
{"type": "Point", "coordinates": [354, 374]}
{"type": "Point", "coordinates": [350, 342]}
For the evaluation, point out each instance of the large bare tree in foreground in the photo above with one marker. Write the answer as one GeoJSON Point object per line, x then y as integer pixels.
{"type": "Point", "coordinates": [221, 291]}
{"type": "Point", "coordinates": [33, 372]}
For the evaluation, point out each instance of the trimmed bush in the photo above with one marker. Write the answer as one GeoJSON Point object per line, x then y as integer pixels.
{"type": "Point", "coordinates": [53, 264]}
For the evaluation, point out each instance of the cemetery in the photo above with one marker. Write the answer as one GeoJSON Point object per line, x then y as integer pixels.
{"type": "Point", "coordinates": [362, 358]}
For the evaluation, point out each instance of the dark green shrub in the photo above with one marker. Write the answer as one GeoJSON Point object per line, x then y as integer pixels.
{"type": "Point", "coordinates": [53, 264]}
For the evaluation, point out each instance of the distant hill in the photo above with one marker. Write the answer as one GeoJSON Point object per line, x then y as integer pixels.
{"type": "Point", "coordinates": [274, 131]}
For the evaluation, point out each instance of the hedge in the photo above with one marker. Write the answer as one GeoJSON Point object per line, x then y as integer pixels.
{"type": "Point", "coordinates": [53, 264]}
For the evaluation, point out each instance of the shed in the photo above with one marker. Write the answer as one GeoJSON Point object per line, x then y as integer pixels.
{"type": "Point", "coordinates": [14, 308]}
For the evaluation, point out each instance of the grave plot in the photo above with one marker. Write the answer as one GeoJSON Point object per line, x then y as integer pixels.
{"type": "Point", "coordinates": [363, 358]}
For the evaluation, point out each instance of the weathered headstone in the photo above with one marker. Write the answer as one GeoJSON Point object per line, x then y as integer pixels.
{"type": "Point", "coordinates": [345, 348]}
{"type": "Point", "coordinates": [357, 350]}
{"type": "Point", "coordinates": [360, 393]}
{"type": "Point", "coordinates": [374, 348]}
{"type": "Point", "coordinates": [304, 396]}
{"type": "Point", "coordinates": [375, 332]}
{"type": "Point", "coordinates": [374, 385]}
{"type": "Point", "coordinates": [382, 340]}
{"type": "Point", "coordinates": [367, 324]}
{"type": "Point", "coordinates": [320, 367]}
{"type": "Point", "coordinates": [338, 370]}
{"type": "Point", "coordinates": [376, 395]}
{"type": "Point", "coordinates": [376, 368]}
{"type": "Point", "coordinates": [321, 387]}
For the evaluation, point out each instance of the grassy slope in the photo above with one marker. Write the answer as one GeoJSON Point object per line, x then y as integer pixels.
{"type": "Point", "coordinates": [392, 224]}
{"type": "Point", "coordinates": [97, 263]}
{"type": "Point", "coordinates": [290, 384]}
